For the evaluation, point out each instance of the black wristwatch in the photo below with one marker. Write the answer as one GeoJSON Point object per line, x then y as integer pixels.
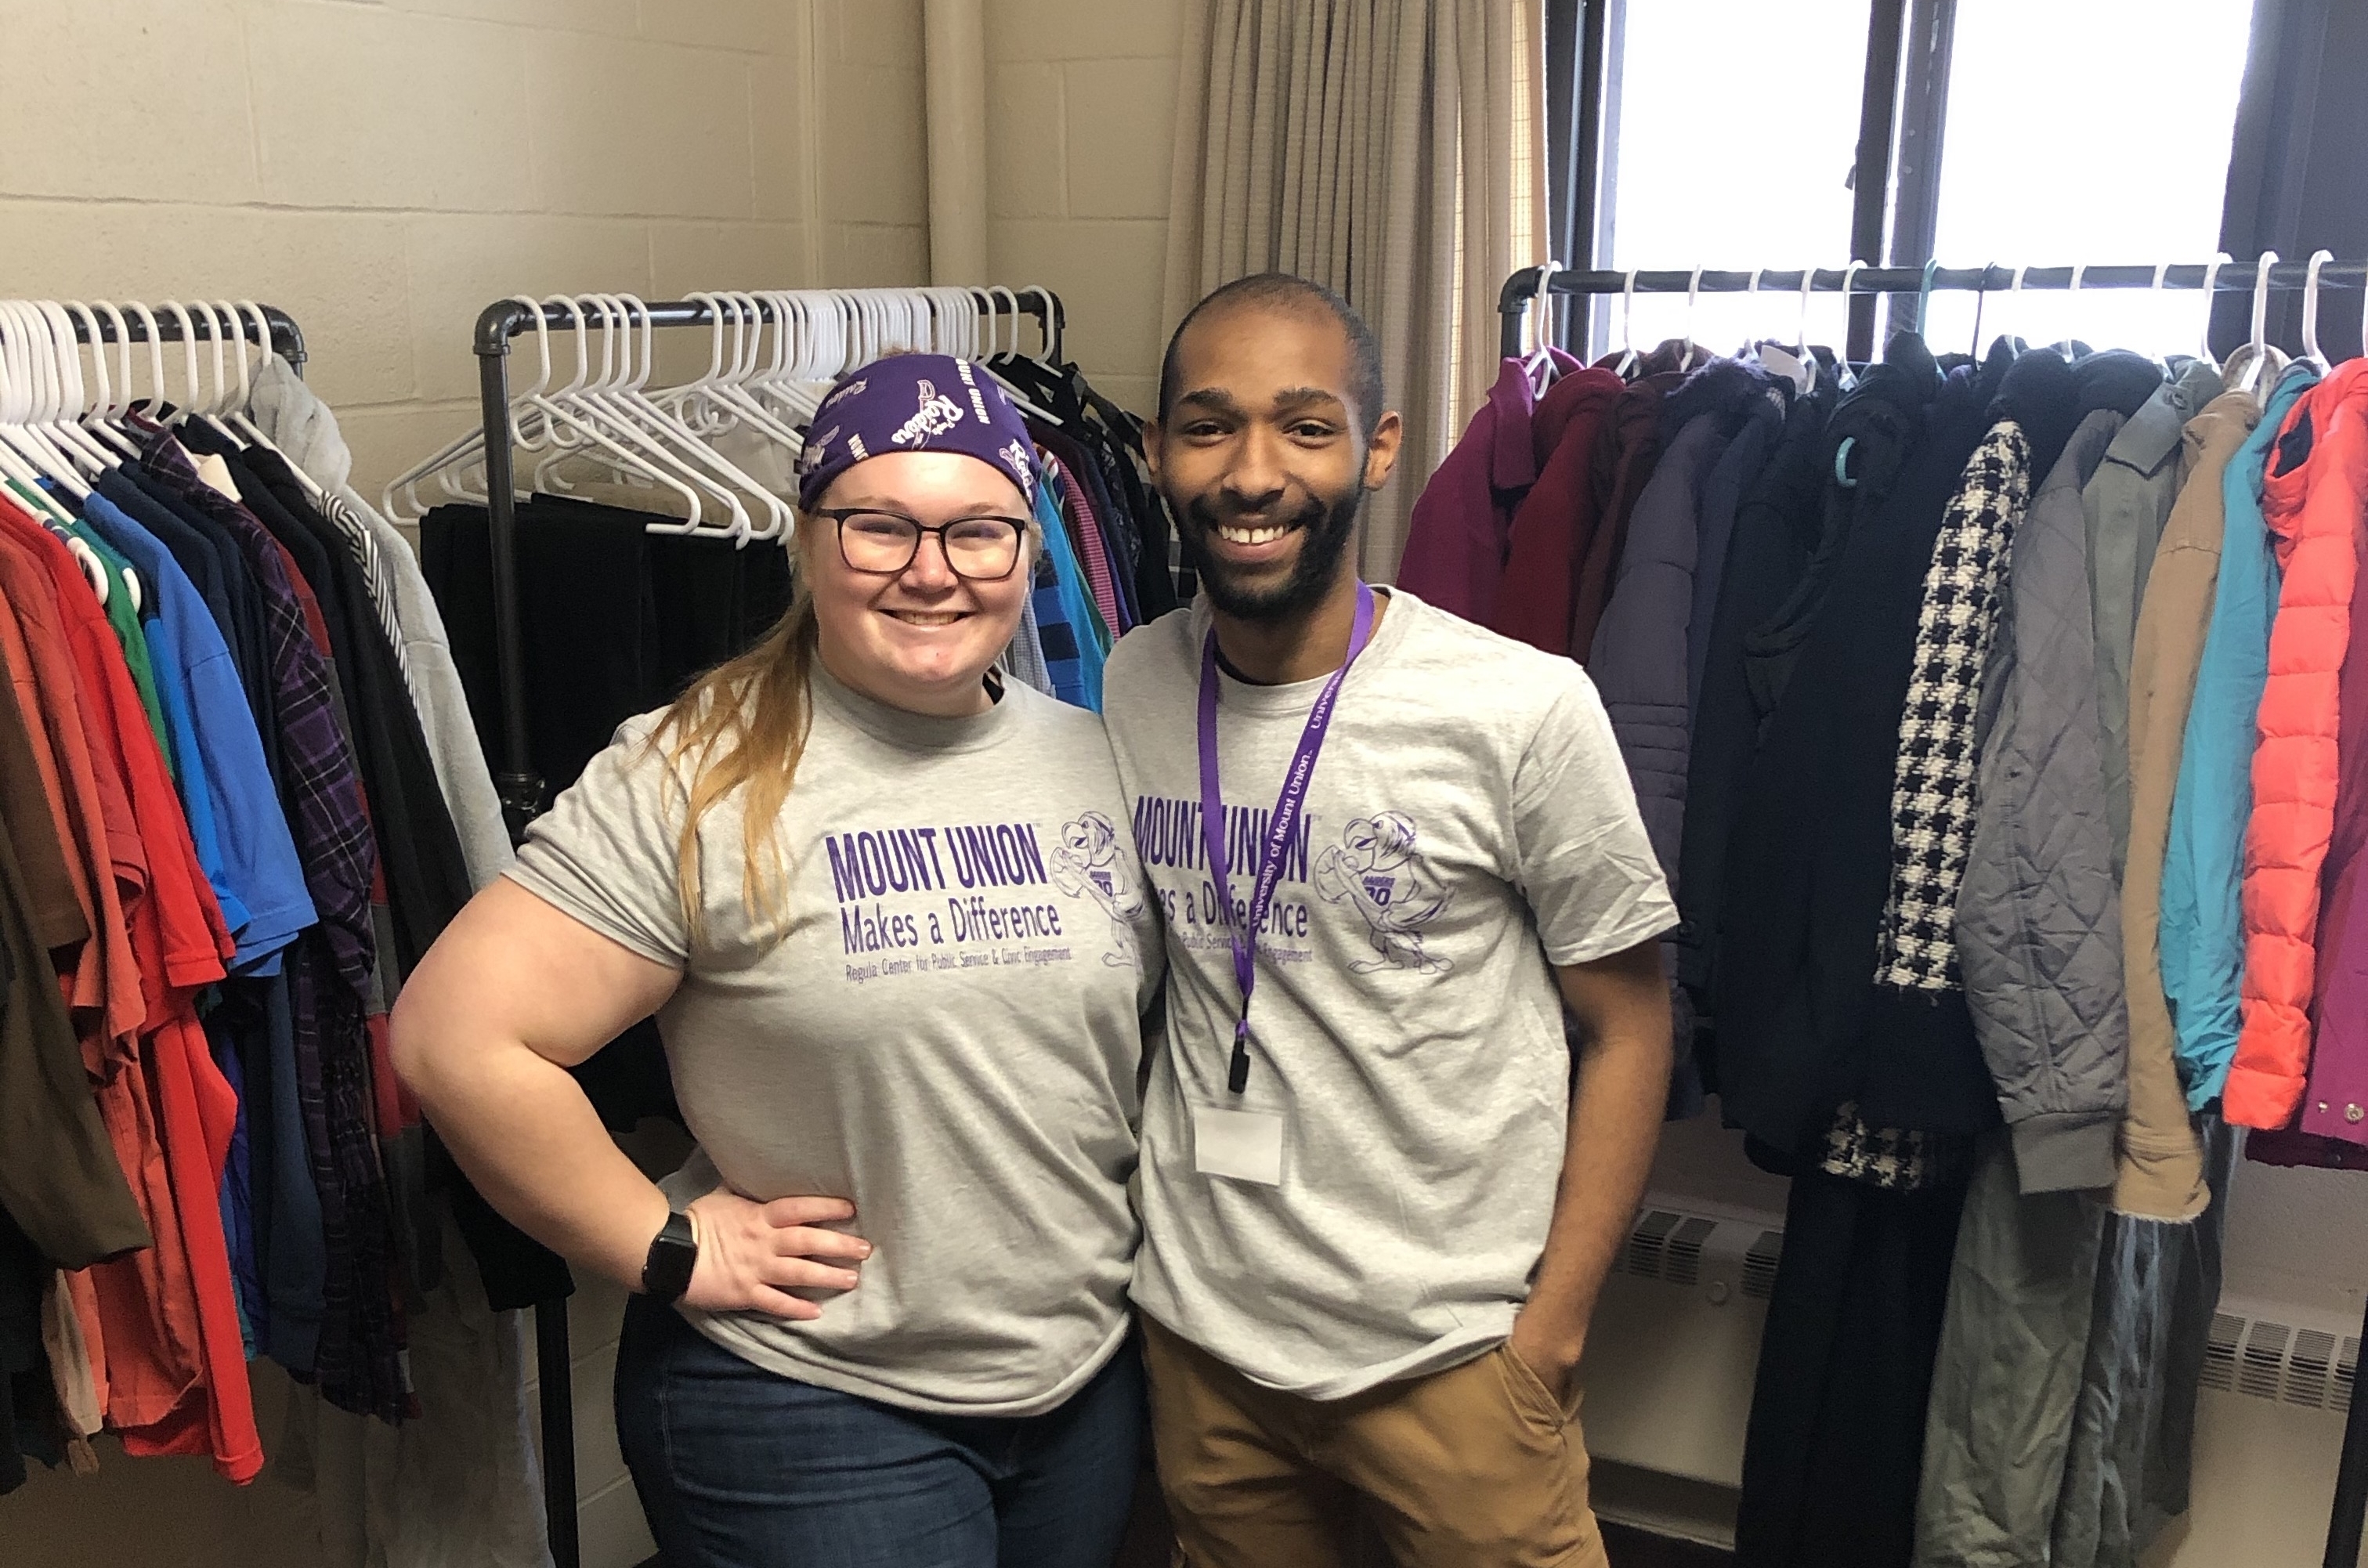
{"type": "Point", "coordinates": [665, 1274]}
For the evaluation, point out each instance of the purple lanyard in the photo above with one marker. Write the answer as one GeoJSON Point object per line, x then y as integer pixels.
{"type": "Point", "coordinates": [1280, 828]}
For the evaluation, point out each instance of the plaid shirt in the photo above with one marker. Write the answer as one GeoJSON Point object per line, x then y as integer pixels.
{"type": "Point", "coordinates": [358, 1362]}
{"type": "Point", "coordinates": [321, 782]}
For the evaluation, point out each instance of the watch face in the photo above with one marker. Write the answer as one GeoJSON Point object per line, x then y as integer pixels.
{"type": "Point", "coordinates": [666, 1275]}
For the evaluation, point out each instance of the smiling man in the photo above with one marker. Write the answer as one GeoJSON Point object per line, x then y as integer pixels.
{"type": "Point", "coordinates": [1381, 1185]}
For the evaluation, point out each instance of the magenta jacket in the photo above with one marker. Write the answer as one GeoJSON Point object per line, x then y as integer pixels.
{"type": "Point", "coordinates": [1462, 523]}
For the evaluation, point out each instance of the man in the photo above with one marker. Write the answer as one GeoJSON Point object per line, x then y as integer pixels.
{"type": "Point", "coordinates": [1365, 1286]}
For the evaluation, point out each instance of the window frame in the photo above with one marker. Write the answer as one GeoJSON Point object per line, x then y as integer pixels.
{"type": "Point", "coordinates": [2297, 174]}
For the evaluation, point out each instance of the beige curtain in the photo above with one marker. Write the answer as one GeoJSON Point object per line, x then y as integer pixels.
{"type": "Point", "coordinates": [1393, 150]}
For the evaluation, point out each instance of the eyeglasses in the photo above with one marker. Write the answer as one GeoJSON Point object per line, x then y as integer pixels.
{"type": "Point", "coordinates": [981, 550]}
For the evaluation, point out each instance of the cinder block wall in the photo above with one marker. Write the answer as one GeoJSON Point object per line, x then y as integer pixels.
{"type": "Point", "coordinates": [383, 168]}
{"type": "Point", "coordinates": [1081, 114]}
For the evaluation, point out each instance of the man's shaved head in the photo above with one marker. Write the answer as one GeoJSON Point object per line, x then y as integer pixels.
{"type": "Point", "coordinates": [1284, 293]}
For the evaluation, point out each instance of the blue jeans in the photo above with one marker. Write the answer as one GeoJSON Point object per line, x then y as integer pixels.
{"type": "Point", "coordinates": [740, 1468]}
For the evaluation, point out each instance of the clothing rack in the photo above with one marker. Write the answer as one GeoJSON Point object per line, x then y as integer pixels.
{"type": "Point", "coordinates": [521, 786]}
{"type": "Point", "coordinates": [1520, 291]}
{"type": "Point", "coordinates": [286, 338]}
{"type": "Point", "coordinates": [2350, 1511]}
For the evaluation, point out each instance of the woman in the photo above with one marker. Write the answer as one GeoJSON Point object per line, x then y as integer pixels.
{"type": "Point", "coordinates": [841, 870]}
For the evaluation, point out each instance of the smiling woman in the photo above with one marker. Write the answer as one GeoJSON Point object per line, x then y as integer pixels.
{"type": "Point", "coordinates": [898, 955]}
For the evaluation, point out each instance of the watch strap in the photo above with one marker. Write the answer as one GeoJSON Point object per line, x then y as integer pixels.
{"type": "Point", "coordinates": [673, 1253]}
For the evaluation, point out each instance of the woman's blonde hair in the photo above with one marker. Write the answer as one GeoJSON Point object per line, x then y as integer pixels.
{"type": "Point", "coordinates": [744, 725]}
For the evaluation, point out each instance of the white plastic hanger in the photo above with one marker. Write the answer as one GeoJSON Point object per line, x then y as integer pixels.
{"type": "Point", "coordinates": [153, 410]}
{"type": "Point", "coordinates": [637, 419]}
{"type": "Point", "coordinates": [1850, 280]}
{"type": "Point", "coordinates": [1537, 363]}
{"type": "Point", "coordinates": [92, 395]}
{"type": "Point", "coordinates": [241, 417]}
{"type": "Point", "coordinates": [1693, 291]}
{"type": "Point", "coordinates": [2211, 292]}
{"type": "Point", "coordinates": [24, 348]}
{"type": "Point", "coordinates": [1811, 368]}
{"type": "Point", "coordinates": [99, 414]}
{"type": "Point", "coordinates": [720, 401]}
{"type": "Point", "coordinates": [1627, 328]}
{"type": "Point", "coordinates": [2318, 259]}
{"type": "Point", "coordinates": [2245, 368]}
{"type": "Point", "coordinates": [60, 413]}
{"type": "Point", "coordinates": [576, 421]}
{"type": "Point", "coordinates": [2067, 348]}
{"type": "Point", "coordinates": [181, 314]}
{"type": "Point", "coordinates": [469, 446]}
{"type": "Point", "coordinates": [1800, 368]}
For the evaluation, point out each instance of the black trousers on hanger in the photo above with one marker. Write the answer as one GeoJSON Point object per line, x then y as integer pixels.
{"type": "Point", "coordinates": [1836, 1442]}
{"type": "Point", "coordinates": [616, 621]}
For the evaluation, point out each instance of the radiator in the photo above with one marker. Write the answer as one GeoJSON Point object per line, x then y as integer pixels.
{"type": "Point", "coordinates": [1675, 1344]}
{"type": "Point", "coordinates": [1676, 1339]}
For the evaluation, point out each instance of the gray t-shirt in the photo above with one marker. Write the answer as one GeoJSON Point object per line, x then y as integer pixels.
{"type": "Point", "coordinates": [947, 1035]}
{"type": "Point", "coordinates": [1468, 824]}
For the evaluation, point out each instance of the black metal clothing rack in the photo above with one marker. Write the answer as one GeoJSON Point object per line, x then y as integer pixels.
{"type": "Point", "coordinates": [286, 338]}
{"type": "Point", "coordinates": [2350, 1510]}
{"type": "Point", "coordinates": [1522, 289]}
{"type": "Point", "coordinates": [521, 786]}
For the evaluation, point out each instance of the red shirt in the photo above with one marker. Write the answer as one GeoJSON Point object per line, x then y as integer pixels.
{"type": "Point", "coordinates": [106, 984]}
{"type": "Point", "coordinates": [180, 942]}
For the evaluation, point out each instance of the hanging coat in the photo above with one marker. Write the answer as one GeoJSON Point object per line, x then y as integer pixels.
{"type": "Point", "coordinates": [1776, 529]}
{"type": "Point", "coordinates": [2039, 926]}
{"type": "Point", "coordinates": [2202, 923]}
{"type": "Point", "coordinates": [2161, 1173]}
{"type": "Point", "coordinates": [2311, 504]}
{"type": "Point", "coordinates": [1457, 535]}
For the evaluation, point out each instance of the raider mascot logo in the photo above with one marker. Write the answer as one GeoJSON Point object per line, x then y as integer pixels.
{"type": "Point", "coordinates": [937, 415]}
{"type": "Point", "coordinates": [1374, 868]}
{"type": "Point", "coordinates": [1088, 865]}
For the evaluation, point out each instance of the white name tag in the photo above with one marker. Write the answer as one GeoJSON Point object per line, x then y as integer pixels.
{"type": "Point", "coordinates": [1244, 1145]}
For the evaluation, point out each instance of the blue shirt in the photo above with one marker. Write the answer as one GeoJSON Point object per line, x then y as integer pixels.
{"type": "Point", "coordinates": [2204, 862]}
{"type": "Point", "coordinates": [1064, 612]}
{"type": "Point", "coordinates": [246, 851]}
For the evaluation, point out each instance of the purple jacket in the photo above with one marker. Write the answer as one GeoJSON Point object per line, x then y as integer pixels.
{"type": "Point", "coordinates": [2336, 1103]}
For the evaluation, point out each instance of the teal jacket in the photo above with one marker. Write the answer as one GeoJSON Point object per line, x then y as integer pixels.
{"type": "Point", "coordinates": [2204, 863]}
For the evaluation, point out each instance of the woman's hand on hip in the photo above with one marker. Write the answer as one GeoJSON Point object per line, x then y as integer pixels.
{"type": "Point", "coordinates": [751, 1256]}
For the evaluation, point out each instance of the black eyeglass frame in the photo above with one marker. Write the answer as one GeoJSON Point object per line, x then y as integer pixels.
{"type": "Point", "coordinates": [838, 515]}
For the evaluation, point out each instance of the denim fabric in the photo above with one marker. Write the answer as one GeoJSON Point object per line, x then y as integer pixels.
{"type": "Point", "coordinates": [740, 1468]}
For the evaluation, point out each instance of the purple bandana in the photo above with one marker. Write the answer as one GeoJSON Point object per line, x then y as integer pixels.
{"type": "Point", "coordinates": [914, 402]}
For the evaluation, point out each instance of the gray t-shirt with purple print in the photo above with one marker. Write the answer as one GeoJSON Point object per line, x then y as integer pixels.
{"type": "Point", "coordinates": [1469, 824]}
{"type": "Point", "coordinates": [948, 1032]}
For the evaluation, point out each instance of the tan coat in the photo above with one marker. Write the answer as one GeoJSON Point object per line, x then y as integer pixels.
{"type": "Point", "coordinates": [2162, 1166]}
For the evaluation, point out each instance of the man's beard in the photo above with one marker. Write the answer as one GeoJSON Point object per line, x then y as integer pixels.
{"type": "Point", "coordinates": [1325, 530]}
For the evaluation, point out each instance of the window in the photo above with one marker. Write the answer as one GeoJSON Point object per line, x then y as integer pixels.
{"type": "Point", "coordinates": [2029, 174]}
{"type": "Point", "coordinates": [2069, 131]}
{"type": "Point", "coordinates": [1733, 126]}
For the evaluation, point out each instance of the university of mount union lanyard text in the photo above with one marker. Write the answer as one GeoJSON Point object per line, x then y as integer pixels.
{"type": "Point", "coordinates": [1280, 829]}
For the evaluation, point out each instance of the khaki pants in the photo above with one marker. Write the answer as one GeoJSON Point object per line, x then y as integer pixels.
{"type": "Point", "coordinates": [1475, 1467]}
